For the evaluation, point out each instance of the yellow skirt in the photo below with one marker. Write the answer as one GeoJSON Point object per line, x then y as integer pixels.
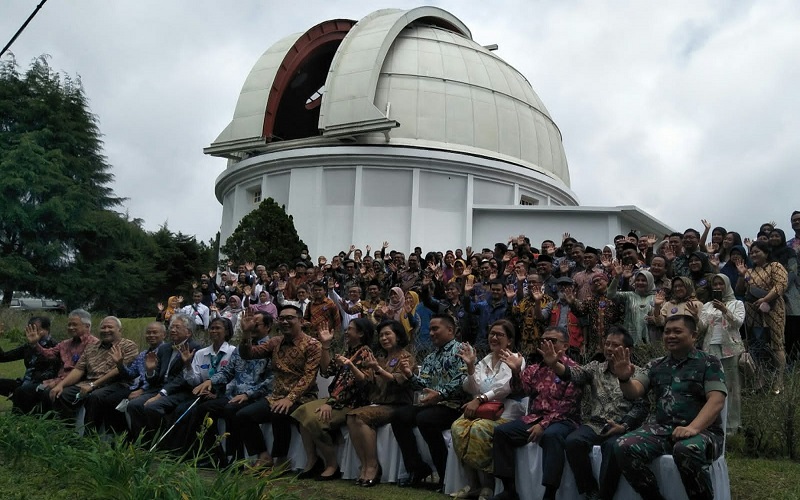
{"type": "Point", "coordinates": [472, 441]}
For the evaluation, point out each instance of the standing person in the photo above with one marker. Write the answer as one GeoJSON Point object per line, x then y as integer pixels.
{"type": "Point", "coordinates": [488, 311]}
{"type": "Point", "coordinates": [561, 312]}
{"type": "Point", "coordinates": [440, 379]}
{"type": "Point", "coordinates": [606, 416]}
{"type": "Point", "coordinates": [553, 413]}
{"type": "Point", "coordinates": [173, 304]}
{"type": "Point", "coordinates": [388, 392]}
{"type": "Point", "coordinates": [318, 418]}
{"type": "Point", "coordinates": [487, 380]}
{"type": "Point", "coordinates": [786, 256]}
{"type": "Point", "coordinates": [639, 304]}
{"type": "Point", "coordinates": [591, 269]}
{"type": "Point", "coordinates": [689, 388]}
{"type": "Point", "coordinates": [22, 391]}
{"type": "Point", "coordinates": [321, 312]}
{"type": "Point", "coordinates": [683, 301]}
{"type": "Point", "coordinates": [600, 313]}
{"type": "Point", "coordinates": [527, 314]}
{"type": "Point", "coordinates": [198, 311]}
{"type": "Point", "coordinates": [453, 304]}
{"type": "Point", "coordinates": [691, 244]}
{"type": "Point", "coordinates": [721, 320]}
{"type": "Point", "coordinates": [765, 285]}
{"type": "Point", "coordinates": [701, 273]}
{"type": "Point", "coordinates": [295, 360]}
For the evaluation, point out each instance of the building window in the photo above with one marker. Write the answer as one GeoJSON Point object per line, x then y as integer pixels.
{"type": "Point", "coordinates": [257, 196]}
{"type": "Point", "coordinates": [528, 201]}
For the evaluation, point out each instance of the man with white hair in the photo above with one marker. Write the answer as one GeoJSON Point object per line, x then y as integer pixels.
{"type": "Point", "coordinates": [69, 351]}
{"type": "Point", "coordinates": [95, 381]}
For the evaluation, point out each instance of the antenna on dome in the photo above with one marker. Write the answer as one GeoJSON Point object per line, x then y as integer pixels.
{"type": "Point", "coordinates": [491, 47]}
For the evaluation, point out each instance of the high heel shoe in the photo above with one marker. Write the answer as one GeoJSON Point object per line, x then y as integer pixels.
{"type": "Point", "coordinates": [314, 471]}
{"type": "Point", "coordinates": [337, 474]}
{"type": "Point", "coordinates": [376, 479]}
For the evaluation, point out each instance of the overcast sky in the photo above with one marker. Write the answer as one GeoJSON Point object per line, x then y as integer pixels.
{"type": "Point", "coordinates": [687, 110]}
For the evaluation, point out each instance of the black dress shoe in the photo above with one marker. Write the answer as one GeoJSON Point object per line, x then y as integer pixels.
{"type": "Point", "coordinates": [369, 483]}
{"type": "Point", "coordinates": [416, 478]}
{"type": "Point", "coordinates": [314, 471]}
{"type": "Point", "coordinates": [337, 474]}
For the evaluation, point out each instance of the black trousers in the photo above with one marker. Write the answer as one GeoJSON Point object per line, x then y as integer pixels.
{"type": "Point", "coordinates": [431, 421]}
{"type": "Point", "coordinates": [24, 397]}
{"type": "Point", "coordinates": [578, 446]}
{"type": "Point", "coordinates": [246, 422]}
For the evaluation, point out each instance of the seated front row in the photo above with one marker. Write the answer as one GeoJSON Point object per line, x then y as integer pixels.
{"type": "Point", "coordinates": [478, 400]}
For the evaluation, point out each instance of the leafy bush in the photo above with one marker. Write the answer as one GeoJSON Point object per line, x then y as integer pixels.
{"type": "Point", "coordinates": [111, 468]}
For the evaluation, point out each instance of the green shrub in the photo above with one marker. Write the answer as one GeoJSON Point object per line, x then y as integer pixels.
{"type": "Point", "coordinates": [101, 467]}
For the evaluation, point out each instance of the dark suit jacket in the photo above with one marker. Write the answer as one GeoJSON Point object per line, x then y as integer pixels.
{"type": "Point", "coordinates": [171, 380]}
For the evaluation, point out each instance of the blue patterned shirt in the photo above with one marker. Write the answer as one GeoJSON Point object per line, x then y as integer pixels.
{"type": "Point", "coordinates": [136, 371]}
{"type": "Point", "coordinates": [444, 372]}
{"type": "Point", "coordinates": [245, 376]}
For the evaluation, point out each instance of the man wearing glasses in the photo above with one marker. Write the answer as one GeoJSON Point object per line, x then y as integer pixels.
{"type": "Point", "coordinates": [553, 413]}
{"type": "Point", "coordinates": [607, 415]}
{"type": "Point", "coordinates": [295, 361]}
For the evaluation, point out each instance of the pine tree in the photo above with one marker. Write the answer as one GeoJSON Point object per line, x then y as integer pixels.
{"type": "Point", "coordinates": [265, 236]}
{"type": "Point", "coordinates": [54, 178]}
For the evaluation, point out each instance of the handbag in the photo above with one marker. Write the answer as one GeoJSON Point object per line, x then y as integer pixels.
{"type": "Point", "coordinates": [746, 364]}
{"type": "Point", "coordinates": [490, 410]}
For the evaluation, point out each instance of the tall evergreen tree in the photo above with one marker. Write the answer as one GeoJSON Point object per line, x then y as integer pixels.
{"type": "Point", "coordinates": [54, 179]}
{"type": "Point", "coordinates": [266, 236]}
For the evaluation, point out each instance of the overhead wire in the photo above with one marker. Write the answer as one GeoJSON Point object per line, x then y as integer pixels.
{"type": "Point", "coordinates": [22, 28]}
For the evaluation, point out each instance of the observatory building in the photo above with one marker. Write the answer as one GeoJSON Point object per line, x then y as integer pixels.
{"type": "Point", "coordinates": [401, 127]}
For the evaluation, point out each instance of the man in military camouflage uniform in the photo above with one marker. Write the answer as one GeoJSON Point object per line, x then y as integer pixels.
{"type": "Point", "coordinates": [689, 386]}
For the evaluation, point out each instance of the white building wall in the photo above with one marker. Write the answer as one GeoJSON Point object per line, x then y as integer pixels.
{"type": "Point", "coordinates": [364, 195]}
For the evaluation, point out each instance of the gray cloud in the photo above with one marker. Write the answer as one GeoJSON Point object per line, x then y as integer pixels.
{"type": "Point", "coordinates": [687, 110]}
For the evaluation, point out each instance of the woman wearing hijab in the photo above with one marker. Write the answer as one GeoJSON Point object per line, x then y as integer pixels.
{"type": "Point", "coordinates": [720, 320]}
{"type": "Point", "coordinates": [683, 301]}
{"type": "Point", "coordinates": [232, 311]}
{"type": "Point", "coordinates": [765, 285]}
{"type": "Point", "coordinates": [460, 274]}
{"type": "Point", "coordinates": [700, 273]}
{"type": "Point", "coordinates": [638, 304]}
{"type": "Point", "coordinates": [164, 315]}
{"type": "Point", "coordinates": [265, 305]}
{"type": "Point", "coordinates": [409, 317]}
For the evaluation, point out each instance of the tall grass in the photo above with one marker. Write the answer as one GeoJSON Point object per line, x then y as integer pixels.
{"type": "Point", "coordinates": [102, 468]}
{"type": "Point", "coordinates": [12, 325]}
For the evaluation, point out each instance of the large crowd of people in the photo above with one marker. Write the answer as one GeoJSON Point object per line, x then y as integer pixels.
{"type": "Point", "coordinates": [453, 339]}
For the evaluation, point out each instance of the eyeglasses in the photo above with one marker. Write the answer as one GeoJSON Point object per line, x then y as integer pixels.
{"type": "Point", "coordinates": [287, 318]}
{"type": "Point", "coordinates": [497, 334]}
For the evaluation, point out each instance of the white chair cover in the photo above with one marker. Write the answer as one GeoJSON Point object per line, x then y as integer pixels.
{"type": "Point", "coordinates": [389, 455]}
{"type": "Point", "coordinates": [529, 476]}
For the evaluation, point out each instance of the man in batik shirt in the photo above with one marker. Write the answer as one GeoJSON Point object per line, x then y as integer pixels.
{"type": "Point", "coordinates": [553, 413]}
{"type": "Point", "coordinates": [606, 416]}
{"type": "Point", "coordinates": [440, 378]}
{"type": "Point", "coordinates": [295, 362]}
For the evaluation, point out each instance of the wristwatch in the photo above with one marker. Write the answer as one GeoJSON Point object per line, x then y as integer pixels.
{"type": "Point", "coordinates": [91, 385]}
